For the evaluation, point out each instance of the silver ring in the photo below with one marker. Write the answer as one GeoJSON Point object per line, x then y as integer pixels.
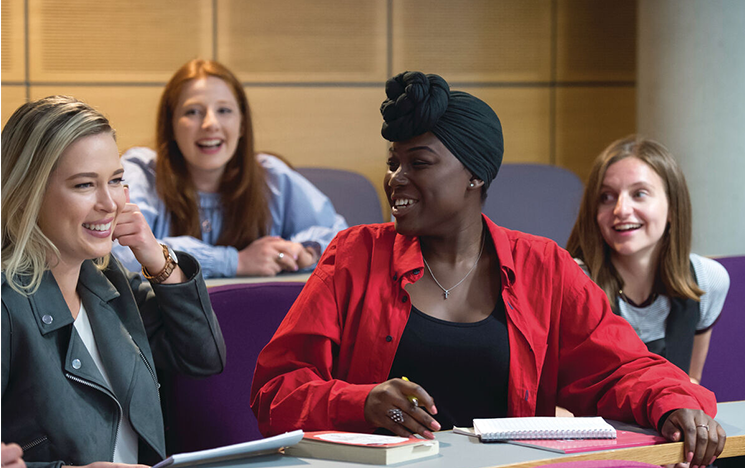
{"type": "Point", "coordinates": [280, 256]}
{"type": "Point", "coordinates": [705, 426]}
{"type": "Point", "coordinates": [396, 415]}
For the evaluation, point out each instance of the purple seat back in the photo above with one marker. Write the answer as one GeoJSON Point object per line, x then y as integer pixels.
{"type": "Point", "coordinates": [352, 194]}
{"type": "Point", "coordinates": [723, 372]}
{"type": "Point", "coordinates": [211, 412]}
{"type": "Point", "coordinates": [535, 198]}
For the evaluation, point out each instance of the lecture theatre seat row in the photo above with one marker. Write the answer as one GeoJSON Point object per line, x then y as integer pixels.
{"type": "Point", "coordinates": [215, 411]}
{"type": "Point", "coordinates": [534, 198]}
{"type": "Point", "coordinates": [723, 372]}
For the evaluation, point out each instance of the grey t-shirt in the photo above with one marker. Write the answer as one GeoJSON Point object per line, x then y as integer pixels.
{"type": "Point", "coordinates": [649, 322]}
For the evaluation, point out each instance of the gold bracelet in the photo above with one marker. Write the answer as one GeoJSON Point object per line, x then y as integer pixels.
{"type": "Point", "coordinates": [165, 273]}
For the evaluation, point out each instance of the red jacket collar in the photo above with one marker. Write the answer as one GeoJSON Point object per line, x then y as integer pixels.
{"type": "Point", "coordinates": [503, 246]}
{"type": "Point", "coordinates": [407, 253]}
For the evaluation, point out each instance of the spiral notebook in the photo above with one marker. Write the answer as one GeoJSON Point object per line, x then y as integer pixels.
{"type": "Point", "coordinates": [499, 429]}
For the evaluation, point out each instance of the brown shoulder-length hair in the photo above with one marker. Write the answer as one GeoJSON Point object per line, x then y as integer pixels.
{"type": "Point", "coordinates": [243, 189]}
{"type": "Point", "coordinates": [673, 277]}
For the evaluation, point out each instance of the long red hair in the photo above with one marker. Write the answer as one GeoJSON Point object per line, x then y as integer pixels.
{"type": "Point", "coordinates": [243, 190]}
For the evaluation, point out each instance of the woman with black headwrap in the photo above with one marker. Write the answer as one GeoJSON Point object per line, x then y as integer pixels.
{"type": "Point", "coordinates": [484, 321]}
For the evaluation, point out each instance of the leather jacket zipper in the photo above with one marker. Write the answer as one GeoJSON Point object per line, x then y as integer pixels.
{"type": "Point", "coordinates": [107, 392]}
{"type": "Point", "coordinates": [34, 443]}
{"type": "Point", "coordinates": [152, 373]}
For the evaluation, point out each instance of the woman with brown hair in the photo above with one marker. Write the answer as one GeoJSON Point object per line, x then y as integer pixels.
{"type": "Point", "coordinates": [633, 237]}
{"type": "Point", "coordinates": [206, 191]}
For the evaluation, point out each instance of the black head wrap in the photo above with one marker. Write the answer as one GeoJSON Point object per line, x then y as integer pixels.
{"type": "Point", "coordinates": [466, 125]}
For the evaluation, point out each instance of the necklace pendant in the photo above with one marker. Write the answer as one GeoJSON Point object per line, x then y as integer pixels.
{"type": "Point", "coordinates": [446, 293]}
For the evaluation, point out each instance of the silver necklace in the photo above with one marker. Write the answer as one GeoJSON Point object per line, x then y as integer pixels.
{"type": "Point", "coordinates": [446, 292]}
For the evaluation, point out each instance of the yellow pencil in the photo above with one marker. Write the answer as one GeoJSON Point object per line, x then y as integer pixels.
{"type": "Point", "coordinates": [414, 400]}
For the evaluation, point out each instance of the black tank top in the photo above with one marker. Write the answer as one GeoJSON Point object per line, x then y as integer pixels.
{"type": "Point", "coordinates": [463, 366]}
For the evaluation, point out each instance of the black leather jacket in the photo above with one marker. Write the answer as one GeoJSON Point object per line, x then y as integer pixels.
{"type": "Point", "coordinates": [55, 403]}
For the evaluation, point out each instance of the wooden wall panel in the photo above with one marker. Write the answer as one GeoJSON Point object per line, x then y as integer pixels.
{"type": "Point", "coordinates": [596, 40]}
{"type": "Point", "coordinates": [13, 98]}
{"type": "Point", "coordinates": [12, 40]}
{"type": "Point", "coordinates": [131, 110]}
{"type": "Point", "coordinates": [481, 40]}
{"type": "Point", "coordinates": [115, 40]}
{"type": "Point", "coordinates": [525, 117]}
{"type": "Point", "coordinates": [298, 40]}
{"type": "Point", "coordinates": [315, 70]}
{"type": "Point", "coordinates": [588, 120]}
{"type": "Point", "coordinates": [338, 128]}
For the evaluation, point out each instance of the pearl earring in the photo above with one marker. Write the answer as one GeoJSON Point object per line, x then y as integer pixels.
{"type": "Point", "coordinates": [472, 184]}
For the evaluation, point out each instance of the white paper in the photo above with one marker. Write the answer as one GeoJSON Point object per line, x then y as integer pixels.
{"type": "Point", "coordinates": [245, 449]}
{"type": "Point", "coordinates": [467, 431]}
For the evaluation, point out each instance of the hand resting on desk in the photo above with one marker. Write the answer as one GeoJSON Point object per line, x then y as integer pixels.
{"type": "Point", "coordinates": [270, 255]}
{"type": "Point", "coordinates": [393, 394]}
{"type": "Point", "coordinates": [703, 437]}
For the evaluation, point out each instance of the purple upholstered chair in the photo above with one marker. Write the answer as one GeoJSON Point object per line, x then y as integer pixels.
{"type": "Point", "coordinates": [352, 194]}
{"type": "Point", "coordinates": [723, 372]}
{"type": "Point", "coordinates": [215, 411]}
{"type": "Point", "coordinates": [535, 198]}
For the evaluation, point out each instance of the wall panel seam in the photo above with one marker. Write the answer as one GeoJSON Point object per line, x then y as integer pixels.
{"type": "Point", "coordinates": [26, 52]}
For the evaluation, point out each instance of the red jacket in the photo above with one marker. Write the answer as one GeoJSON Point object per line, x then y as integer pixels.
{"type": "Point", "coordinates": [567, 348]}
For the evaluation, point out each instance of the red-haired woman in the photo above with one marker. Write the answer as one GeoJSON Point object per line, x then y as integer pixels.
{"type": "Point", "coordinates": [207, 192]}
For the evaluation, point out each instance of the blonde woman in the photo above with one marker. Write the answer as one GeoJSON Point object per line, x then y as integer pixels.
{"type": "Point", "coordinates": [82, 337]}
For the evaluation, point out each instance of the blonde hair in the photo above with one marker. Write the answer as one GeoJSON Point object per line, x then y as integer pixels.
{"type": "Point", "coordinates": [33, 140]}
{"type": "Point", "coordinates": [673, 276]}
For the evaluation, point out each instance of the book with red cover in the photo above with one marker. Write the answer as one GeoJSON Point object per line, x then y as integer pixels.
{"type": "Point", "coordinates": [624, 439]}
{"type": "Point", "coordinates": [362, 448]}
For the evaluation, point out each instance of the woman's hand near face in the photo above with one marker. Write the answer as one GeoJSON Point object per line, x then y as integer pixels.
{"type": "Point", "coordinates": [12, 456]}
{"type": "Point", "coordinates": [133, 231]}
{"type": "Point", "coordinates": [270, 255]}
{"type": "Point", "coordinates": [394, 394]}
{"type": "Point", "coordinates": [703, 437]}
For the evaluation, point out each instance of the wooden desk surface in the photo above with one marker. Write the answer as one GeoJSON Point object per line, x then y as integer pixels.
{"type": "Point", "coordinates": [467, 452]}
{"type": "Point", "coordinates": [731, 415]}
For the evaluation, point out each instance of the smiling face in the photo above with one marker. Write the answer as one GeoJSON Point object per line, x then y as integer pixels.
{"type": "Point", "coordinates": [427, 187]}
{"type": "Point", "coordinates": [83, 198]}
{"type": "Point", "coordinates": [633, 208]}
{"type": "Point", "coordinates": [207, 127]}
